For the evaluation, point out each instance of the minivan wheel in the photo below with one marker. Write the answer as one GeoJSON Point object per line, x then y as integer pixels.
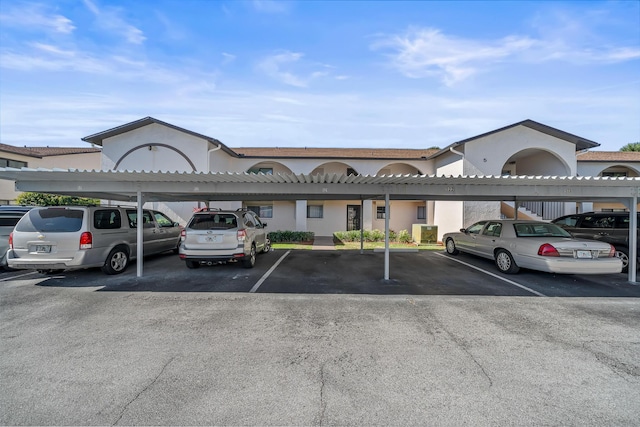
{"type": "Point", "coordinates": [250, 260]}
{"type": "Point", "coordinates": [624, 256]}
{"type": "Point", "coordinates": [505, 262]}
{"type": "Point", "coordinates": [117, 261]}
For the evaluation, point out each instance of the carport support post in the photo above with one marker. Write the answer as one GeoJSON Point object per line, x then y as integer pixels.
{"type": "Point", "coordinates": [139, 235]}
{"type": "Point", "coordinates": [633, 238]}
{"type": "Point", "coordinates": [361, 226]}
{"type": "Point", "coordinates": [387, 214]}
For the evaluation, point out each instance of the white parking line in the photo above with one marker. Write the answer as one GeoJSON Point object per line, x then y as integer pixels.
{"type": "Point", "coordinates": [16, 277]}
{"type": "Point", "coordinates": [511, 282]}
{"type": "Point", "coordinates": [268, 273]}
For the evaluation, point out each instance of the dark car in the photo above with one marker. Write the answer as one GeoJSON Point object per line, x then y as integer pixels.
{"type": "Point", "coordinates": [9, 217]}
{"type": "Point", "coordinates": [610, 227]}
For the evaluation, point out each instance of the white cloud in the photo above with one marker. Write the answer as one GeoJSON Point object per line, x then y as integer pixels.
{"type": "Point", "coordinates": [109, 19]}
{"type": "Point", "coordinates": [33, 16]}
{"type": "Point", "coordinates": [427, 52]}
{"type": "Point", "coordinates": [271, 6]}
{"type": "Point", "coordinates": [227, 58]}
{"type": "Point", "coordinates": [274, 66]}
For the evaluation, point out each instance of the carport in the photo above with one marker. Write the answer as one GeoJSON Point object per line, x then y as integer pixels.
{"type": "Point", "coordinates": [145, 186]}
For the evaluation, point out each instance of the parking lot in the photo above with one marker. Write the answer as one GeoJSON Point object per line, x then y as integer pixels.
{"type": "Point", "coordinates": [319, 338]}
{"type": "Point", "coordinates": [346, 272]}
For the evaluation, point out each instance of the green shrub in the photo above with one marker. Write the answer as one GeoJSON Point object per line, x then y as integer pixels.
{"type": "Point", "coordinates": [404, 237]}
{"type": "Point", "coordinates": [44, 199]}
{"type": "Point", "coordinates": [290, 236]}
{"type": "Point", "coordinates": [372, 236]}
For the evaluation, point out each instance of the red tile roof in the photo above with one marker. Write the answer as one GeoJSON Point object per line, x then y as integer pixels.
{"type": "Point", "coordinates": [610, 156]}
{"type": "Point", "coordinates": [40, 152]}
{"type": "Point", "coordinates": [335, 153]}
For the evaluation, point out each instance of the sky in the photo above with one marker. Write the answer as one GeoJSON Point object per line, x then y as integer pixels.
{"type": "Point", "coordinates": [319, 73]}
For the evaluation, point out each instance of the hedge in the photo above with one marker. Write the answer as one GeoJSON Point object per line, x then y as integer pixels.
{"type": "Point", "coordinates": [373, 236]}
{"type": "Point", "coordinates": [290, 236]}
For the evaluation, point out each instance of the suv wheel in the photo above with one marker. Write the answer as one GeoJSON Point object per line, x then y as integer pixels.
{"type": "Point", "coordinates": [192, 264]}
{"type": "Point", "coordinates": [624, 256]}
{"type": "Point", "coordinates": [250, 260]}
{"type": "Point", "coordinates": [267, 246]}
{"type": "Point", "coordinates": [117, 261]}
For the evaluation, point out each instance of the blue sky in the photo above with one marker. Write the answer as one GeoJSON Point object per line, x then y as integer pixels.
{"type": "Point", "coordinates": [319, 73]}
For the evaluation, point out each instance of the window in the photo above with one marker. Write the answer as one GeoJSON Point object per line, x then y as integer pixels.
{"type": "Point", "coordinates": [147, 221]}
{"type": "Point", "coordinates": [598, 222]}
{"type": "Point", "coordinates": [263, 211]}
{"type": "Point", "coordinates": [380, 212]}
{"type": "Point", "coordinates": [614, 174]}
{"type": "Point", "coordinates": [107, 219]}
{"type": "Point", "coordinates": [422, 212]}
{"type": "Point", "coordinates": [492, 229]}
{"type": "Point", "coordinates": [266, 171]}
{"type": "Point", "coordinates": [315, 211]}
{"type": "Point", "coordinates": [8, 163]}
{"type": "Point", "coordinates": [162, 220]}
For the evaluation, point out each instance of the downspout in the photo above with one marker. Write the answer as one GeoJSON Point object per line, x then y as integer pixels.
{"type": "Point", "coordinates": [456, 152]}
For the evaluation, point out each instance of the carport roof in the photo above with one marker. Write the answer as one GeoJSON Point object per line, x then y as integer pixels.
{"type": "Point", "coordinates": [201, 186]}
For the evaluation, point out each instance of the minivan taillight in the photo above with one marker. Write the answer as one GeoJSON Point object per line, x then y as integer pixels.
{"type": "Point", "coordinates": [86, 240]}
{"type": "Point", "coordinates": [11, 240]}
{"type": "Point", "coordinates": [241, 235]}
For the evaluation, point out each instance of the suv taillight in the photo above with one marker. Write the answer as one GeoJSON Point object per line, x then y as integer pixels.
{"type": "Point", "coordinates": [548, 250]}
{"type": "Point", "coordinates": [86, 240]}
{"type": "Point", "coordinates": [241, 235]}
{"type": "Point", "coordinates": [183, 235]}
{"type": "Point", "coordinates": [11, 240]}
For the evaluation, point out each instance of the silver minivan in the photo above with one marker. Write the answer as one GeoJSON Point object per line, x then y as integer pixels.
{"type": "Point", "coordinates": [55, 238]}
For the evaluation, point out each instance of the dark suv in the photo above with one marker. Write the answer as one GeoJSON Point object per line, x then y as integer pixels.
{"type": "Point", "coordinates": [610, 227]}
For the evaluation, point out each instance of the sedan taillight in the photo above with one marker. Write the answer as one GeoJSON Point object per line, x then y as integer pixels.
{"type": "Point", "coordinates": [547, 250]}
{"type": "Point", "coordinates": [86, 240]}
{"type": "Point", "coordinates": [612, 251]}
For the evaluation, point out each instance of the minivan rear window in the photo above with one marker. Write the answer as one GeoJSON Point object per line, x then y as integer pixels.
{"type": "Point", "coordinates": [51, 220]}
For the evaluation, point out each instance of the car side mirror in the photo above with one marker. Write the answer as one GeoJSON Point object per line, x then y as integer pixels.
{"type": "Point", "coordinates": [176, 224]}
{"type": "Point", "coordinates": [264, 225]}
{"type": "Point", "coordinates": [463, 230]}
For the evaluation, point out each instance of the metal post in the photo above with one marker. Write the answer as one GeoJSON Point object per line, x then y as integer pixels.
{"type": "Point", "coordinates": [361, 226]}
{"type": "Point", "coordinates": [139, 234]}
{"type": "Point", "coordinates": [387, 214]}
{"type": "Point", "coordinates": [633, 238]}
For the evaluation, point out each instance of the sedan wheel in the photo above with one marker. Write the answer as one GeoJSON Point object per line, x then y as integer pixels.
{"type": "Point", "coordinates": [505, 262]}
{"type": "Point", "coordinates": [624, 257]}
{"type": "Point", "coordinates": [451, 247]}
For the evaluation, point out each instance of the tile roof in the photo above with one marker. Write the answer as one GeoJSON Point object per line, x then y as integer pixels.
{"type": "Point", "coordinates": [40, 152]}
{"type": "Point", "coordinates": [610, 156]}
{"type": "Point", "coordinates": [335, 153]}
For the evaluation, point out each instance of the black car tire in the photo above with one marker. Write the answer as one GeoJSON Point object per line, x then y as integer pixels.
{"type": "Point", "coordinates": [505, 262]}
{"type": "Point", "coordinates": [451, 247]}
{"type": "Point", "coordinates": [117, 261]}
{"type": "Point", "coordinates": [192, 264]}
{"type": "Point", "coordinates": [250, 260]}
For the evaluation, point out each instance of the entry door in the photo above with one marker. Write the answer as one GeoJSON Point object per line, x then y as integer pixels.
{"type": "Point", "coordinates": [353, 217]}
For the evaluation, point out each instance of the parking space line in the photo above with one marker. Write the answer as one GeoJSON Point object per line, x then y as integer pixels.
{"type": "Point", "coordinates": [511, 282]}
{"type": "Point", "coordinates": [268, 273]}
{"type": "Point", "coordinates": [21, 275]}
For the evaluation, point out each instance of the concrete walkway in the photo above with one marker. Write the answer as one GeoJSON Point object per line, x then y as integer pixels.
{"type": "Point", "coordinates": [323, 243]}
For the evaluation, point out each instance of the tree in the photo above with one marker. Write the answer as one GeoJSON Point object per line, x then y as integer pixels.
{"type": "Point", "coordinates": [44, 199]}
{"type": "Point", "coordinates": [633, 146]}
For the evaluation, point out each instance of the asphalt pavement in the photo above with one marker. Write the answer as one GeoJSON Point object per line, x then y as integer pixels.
{"type": "Point", "coordinates": [83, 348]}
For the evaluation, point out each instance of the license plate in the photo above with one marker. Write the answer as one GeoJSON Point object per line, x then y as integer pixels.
{"type": "Point", "coordinates": [213, 239]}
{"type": "Point", "coordinates": [583, 254]}
{"type": "Point", "coordinates": [43, 248]}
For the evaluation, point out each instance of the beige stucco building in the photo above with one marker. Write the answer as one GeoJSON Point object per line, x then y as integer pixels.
{"type": "Point", "coordinates": [524, 148]}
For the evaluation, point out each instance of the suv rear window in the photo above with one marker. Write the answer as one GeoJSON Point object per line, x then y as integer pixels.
{"type": "Point", "coordinates": [217, 221]}
{"type": "Point", "coordinates": [51, 220]}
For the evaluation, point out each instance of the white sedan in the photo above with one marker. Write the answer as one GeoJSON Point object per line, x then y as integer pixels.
{"type": "Point", "coordinates": [535, 245]}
